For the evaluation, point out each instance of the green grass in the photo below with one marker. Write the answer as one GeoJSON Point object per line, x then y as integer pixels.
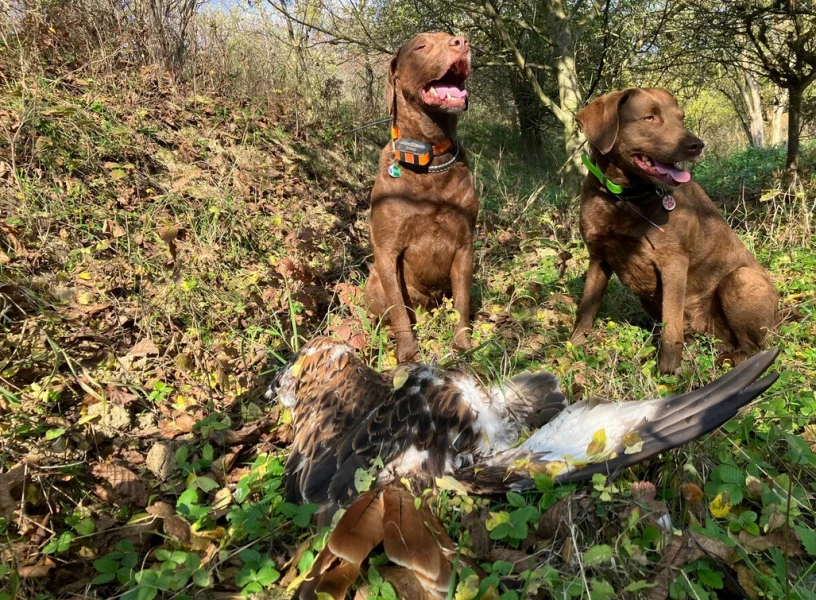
{"type": "Point", "coordinates": [164, 257]}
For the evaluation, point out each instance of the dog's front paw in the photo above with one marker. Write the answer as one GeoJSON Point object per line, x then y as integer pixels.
{"type": "Point", "coordinates": [461, 340]}
{"type": "Point", "coordinates": [407, 349]}
{"type": "Point", "coordinates": [579, 336]}
{"type": "Point", "coordinates": [670, 356]}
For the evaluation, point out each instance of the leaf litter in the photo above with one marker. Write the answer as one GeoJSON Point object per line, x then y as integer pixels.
{"type": "Point", "coordinates": [136, 343]}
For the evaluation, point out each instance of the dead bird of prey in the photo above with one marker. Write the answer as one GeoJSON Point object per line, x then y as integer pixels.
{"type": "Point", "coordinates": [424, 423]}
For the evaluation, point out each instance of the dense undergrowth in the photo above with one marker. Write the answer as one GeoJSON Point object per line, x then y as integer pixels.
{"type": "Point", "coordinates": [162, 251]}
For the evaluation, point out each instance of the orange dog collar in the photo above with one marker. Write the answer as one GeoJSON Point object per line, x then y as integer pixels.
{"type": "Point", "coordinates": [415, 152]}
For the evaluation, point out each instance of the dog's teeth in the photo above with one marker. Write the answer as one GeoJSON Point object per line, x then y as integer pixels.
{"type": "Point", "coordinates": [449, 97]}
{"type": "Point", "coordinates": [434, 93]}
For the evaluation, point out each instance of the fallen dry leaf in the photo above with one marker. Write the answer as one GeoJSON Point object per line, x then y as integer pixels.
{"type": "Point", "coordinates": [691, 492]}
{"type": "Point", "coordinates": [754, 485]}
{"type": "Point", "coordinates": [554, 519]}
{"type": "Point", "coordinates": [180, 423]}
{"type": "Point", "coordinates": [120, 395]}
{"type": "Point", "coordinates": [809, 435]}
{"type": "Point", "coordinates": [144, 347]}
{"type": "Point", "coordinates": [125, 486]}
{"type": "Point", "coordinates": [778, 539]}
{"type": "Point", "coordinates": [161, 509]}
{"type": "Point", "coordinates": [223, 464]}
{"type": "Point", "coordinates": [405, 583]}
{"type": "Point", "coordinates": [359, 341]}
{"type": "Point", "coordinates": [247, 434]}
{"type": "Point", "coordinates": [643, 491]}
{"type": "Point", "coordinates": [681, 550]}
{"type": "Point", "coordinates": [178, 528]}
{"type": "Point", "coordinates": [40, 569]}
{"type": "Point", "coordinates": [745, 577]}
{"type": "Point", "coordinates": [10, 483]}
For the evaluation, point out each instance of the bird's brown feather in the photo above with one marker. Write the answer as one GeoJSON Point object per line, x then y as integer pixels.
{"type": "Point", "coordinates": [408, 541]}
{"type": "Point", "coordinates": [360, 529]}
{"type": "Point", "coordinates": [329, 575]}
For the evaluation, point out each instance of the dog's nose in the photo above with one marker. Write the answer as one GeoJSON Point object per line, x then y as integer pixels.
{"type": "Point", "coordinates": [459, 43]}
{"type": "Point", "coordinates": [695, 147]}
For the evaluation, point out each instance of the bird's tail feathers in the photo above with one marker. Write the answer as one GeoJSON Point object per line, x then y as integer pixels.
{"type": "Point", "coordinates": [412, 538]}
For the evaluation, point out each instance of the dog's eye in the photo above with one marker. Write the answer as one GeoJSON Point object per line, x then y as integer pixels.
{"type": "Point", "coordinates": [419, 47]}
{"type": "Point", "coordinates": [648, 118]}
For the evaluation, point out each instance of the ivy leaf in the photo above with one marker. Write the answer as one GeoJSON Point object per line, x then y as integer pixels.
{"type": "Point", "coordinates": [387, 592]}
{"type": "Point", "coordinates": [598, 443]}
{"type": "Point", "coordinates": [53, 434]}
{"type": "Point", "coordinates": [363, 480]}
{"type": "Point", "coordinates": [400, 377]}
{"type": "Point", "coordinates": [267, 576]}
{"type": "Point", "coordinates": [632, 443]}
{"type": "Point", "coordinates": [374, 576]}
{"type": "Point", "coordinates": [808, 539]}
{"type": "Point", "coordinates": [597, 555]}
{"type": "Point", "coordinates": [601, 590]}
{"type": "Point", "coordinates": [205, 484]}
{"type": "Point", "coordinates": [710, 579]}
{"type": "Point", "coordinates": [641, 584]}
{"type": "Point", "coordinates": [720, 506]}
{"type": "Point", "coordinates": [496, 519]}
{"type": "Point", "coordinates": [106, 564]}
{"type": "Point", "coordinates": [306, 561]}
{"type": "Point", "coordinates": [103, 578]}
{"type": "Point", "coordinates": [515, 499]}
{"type": "Point", "coordinates": [85, 527]}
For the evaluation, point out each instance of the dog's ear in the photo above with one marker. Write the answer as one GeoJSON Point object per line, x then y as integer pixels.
{"type": "Point", "coordinates": [391, 85]}
{"type": "Point", "coordinates": [599, 120]}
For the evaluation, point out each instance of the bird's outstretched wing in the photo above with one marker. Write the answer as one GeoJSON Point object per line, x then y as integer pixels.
{"type": "Point", "coordinates": [588, 438]}
{"type": "Point", "coordinates": [346, 415]}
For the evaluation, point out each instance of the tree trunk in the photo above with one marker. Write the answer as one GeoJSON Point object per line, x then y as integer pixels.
{"type": "Point", "coordinates": [749, 89]}
{"type": "Point", "coordinates": [370, 99]}
{"type": "Point", "coordinates": [530, 118]}
{"type": "Point", "coordinates": [794, 127]}
{"type": "Point", "coordinates": [567, 77]}
{"type": "Point", "coordinates": [569, 95]}
{"type": "Point", "coordinates": [777, 118]}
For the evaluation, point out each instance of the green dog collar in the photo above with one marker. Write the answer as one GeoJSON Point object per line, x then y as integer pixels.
{"type": "Point", "coordinates": [593, 168]}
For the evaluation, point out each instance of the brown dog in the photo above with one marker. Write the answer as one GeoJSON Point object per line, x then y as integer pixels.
{"type": "Point", "coordinates": [423, 215]}
{"type": "Point", "coordinates": [696, 275]}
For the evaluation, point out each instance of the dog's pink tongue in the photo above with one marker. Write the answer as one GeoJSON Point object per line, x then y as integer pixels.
{"type": "Point", "coordinates": [676, 173]}
{"type": "Point", "coordinates": [454, 92]}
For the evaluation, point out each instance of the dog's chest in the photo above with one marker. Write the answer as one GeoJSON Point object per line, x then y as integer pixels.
{"type": "Point", "coordinates": [628, 242]}
{"type": "Point", "coordinates": [424, 203]}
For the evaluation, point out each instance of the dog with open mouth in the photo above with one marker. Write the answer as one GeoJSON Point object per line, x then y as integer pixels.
{"type": "Point", "coordinates": [424, 204]}
{"type": "Point", "coordinates": [643, 219]}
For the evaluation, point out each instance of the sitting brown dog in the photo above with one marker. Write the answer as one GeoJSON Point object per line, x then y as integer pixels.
{"type": "Point", "coordinates": [644, 220]}
{"type": "Point", "coordinates": [423, 205]}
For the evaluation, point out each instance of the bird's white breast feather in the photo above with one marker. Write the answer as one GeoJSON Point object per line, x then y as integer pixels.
{"type": "Point", "coordinates": [494, 428]}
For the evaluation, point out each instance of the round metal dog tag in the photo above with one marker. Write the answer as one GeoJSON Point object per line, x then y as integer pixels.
{"type": "Point", "coordinates": [669, 203]}
{"type": "Point", "coordinates": [394, 171]}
